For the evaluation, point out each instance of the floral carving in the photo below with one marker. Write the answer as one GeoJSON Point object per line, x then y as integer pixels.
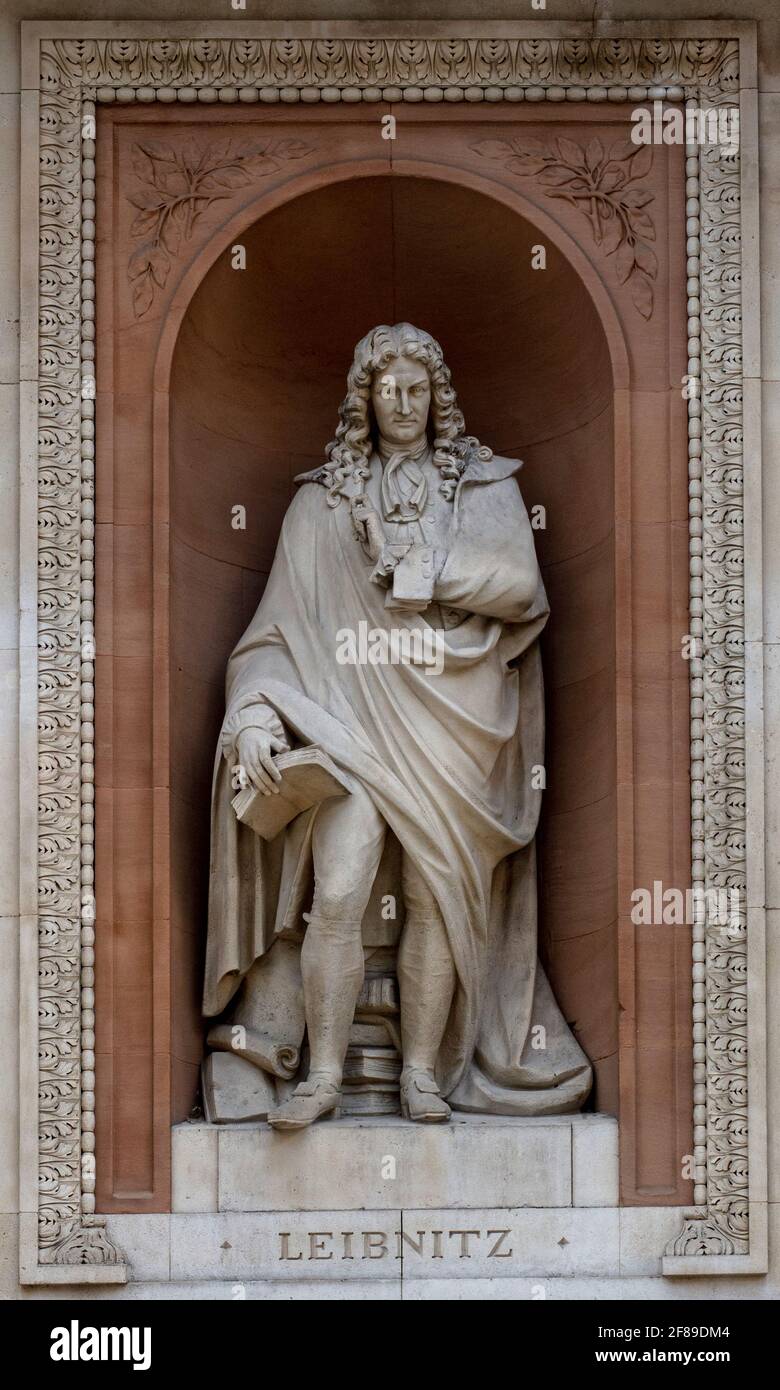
{"type": "Point", "coordinates": [604, 185]}
{"type": "Point", "coordinates": [356, 63]}
{"type": "Point", "coordinates": [718, 764]}
{"type": "Point", "coordinates": [179, 184]}
{"type": "Point", "coordinates": [83, 1242]}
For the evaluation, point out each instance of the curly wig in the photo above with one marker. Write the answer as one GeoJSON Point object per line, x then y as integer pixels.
{"type": "Point", "coordinates": [349, 452]}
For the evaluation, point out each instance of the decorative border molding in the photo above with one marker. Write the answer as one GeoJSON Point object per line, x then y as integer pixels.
{"type": "Point", "coordinates": [718, 793]}
{"type": "Point", "coordinates": [69, 1231]}
{"type": "Point", "coordinates": [379, 69]}
{"type": "Point", "coordinates": [73, 65]}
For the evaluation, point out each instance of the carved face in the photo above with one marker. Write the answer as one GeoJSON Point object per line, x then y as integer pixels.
{"type": "Point", "coordinates": [401, 397]}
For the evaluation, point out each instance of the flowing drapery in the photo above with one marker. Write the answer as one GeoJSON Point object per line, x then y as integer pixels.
{"type": "Point", "coordinates": [448, 759]}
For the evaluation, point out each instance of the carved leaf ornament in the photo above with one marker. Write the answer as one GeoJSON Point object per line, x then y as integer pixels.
{"type": "Point", "coordinates": [178, 184]}
{"type": "Point", "coordinates": [603, 184]}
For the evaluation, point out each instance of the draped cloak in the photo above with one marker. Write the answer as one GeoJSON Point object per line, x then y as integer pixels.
{"type": "Point", "coordinates": [447, 759]}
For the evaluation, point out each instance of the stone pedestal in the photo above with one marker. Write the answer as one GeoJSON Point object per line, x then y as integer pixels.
{"type": "Point", "coordinates": [388, 1164]}
{"type": "Point", "coordinates": [382, 1200]}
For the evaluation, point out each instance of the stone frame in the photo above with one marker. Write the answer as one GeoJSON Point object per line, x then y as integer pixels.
{"type": "Point", "coordinates": [67, 67]}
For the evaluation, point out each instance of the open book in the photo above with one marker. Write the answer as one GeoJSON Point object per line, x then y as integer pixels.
{"type": "Point", "coordinates": [308, 776]}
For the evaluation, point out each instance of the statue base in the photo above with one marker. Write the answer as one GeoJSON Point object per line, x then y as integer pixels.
{"type": "Point", "coordinates": [385, 1163]}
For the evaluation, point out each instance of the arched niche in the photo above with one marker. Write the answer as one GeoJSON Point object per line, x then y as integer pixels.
{"type": "Point", "coordinates": [257, 373]}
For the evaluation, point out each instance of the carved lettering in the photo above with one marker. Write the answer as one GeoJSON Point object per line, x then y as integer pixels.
{"type": "Point", "coordinates": [374, 1245]}
{"type": "Point", "coordinates": [495, 1251]}
{"type": "Point", "coordinates": [284, 1238]}
{"type": "Point", "coordinates": [465, 1253]}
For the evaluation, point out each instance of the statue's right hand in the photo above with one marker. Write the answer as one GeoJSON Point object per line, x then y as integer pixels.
{"type": "Point", "coordinates": [368, 526]}
{"type": "Point", "coordinates": [255, 748]}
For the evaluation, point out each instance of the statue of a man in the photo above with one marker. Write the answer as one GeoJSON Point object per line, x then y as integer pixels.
{"type": "Point", "coordinates": [410, 523]}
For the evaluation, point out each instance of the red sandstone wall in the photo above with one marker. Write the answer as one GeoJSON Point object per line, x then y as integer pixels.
{"type": "Point", "coordinates": [590, 400]}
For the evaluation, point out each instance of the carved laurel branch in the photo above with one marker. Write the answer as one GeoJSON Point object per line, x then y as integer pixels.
{"type": "Point", "coordinates": [602, 184]}
{"type": "Point", "coordinates": [178, 184]}
{"type": "Point", "coordinates": [381, 62]}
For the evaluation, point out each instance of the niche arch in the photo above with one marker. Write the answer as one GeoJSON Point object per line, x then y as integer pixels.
{"type": "Point", "coordinates": [256, 373]}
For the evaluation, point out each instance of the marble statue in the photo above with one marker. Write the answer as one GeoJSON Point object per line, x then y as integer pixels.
{"type": "Point", "coordinates": [398, 632]}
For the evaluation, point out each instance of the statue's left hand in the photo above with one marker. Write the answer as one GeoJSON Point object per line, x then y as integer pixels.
{"type": "Point", "coordinates": [368, 527]}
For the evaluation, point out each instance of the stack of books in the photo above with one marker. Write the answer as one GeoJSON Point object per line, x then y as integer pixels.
{"type": "Point", "coordinates": [372, 1068]}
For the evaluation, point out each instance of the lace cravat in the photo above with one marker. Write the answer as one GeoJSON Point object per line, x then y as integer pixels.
{"type": "Point", "coordinates": [402, 464]}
